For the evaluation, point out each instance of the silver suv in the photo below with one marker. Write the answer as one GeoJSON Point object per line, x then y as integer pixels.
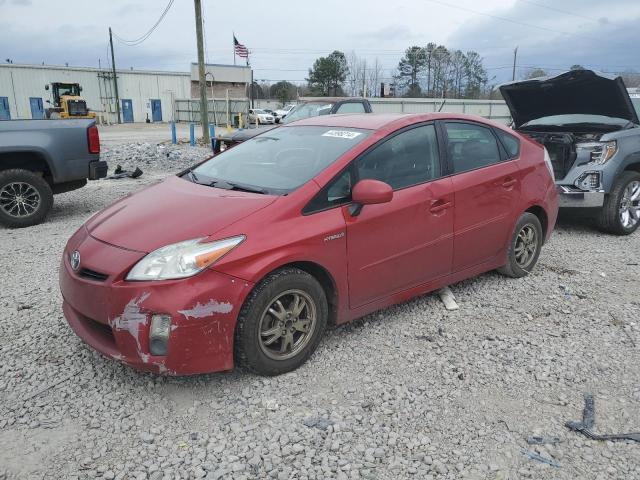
{"type": "Point", "coordinates": [589, 126]}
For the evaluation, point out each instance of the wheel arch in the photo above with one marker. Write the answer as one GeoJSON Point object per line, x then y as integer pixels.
{"type": "Point", "coordinates": [541, 213]}
{"type": "Point", "coordinates": [321, 274]}
{"type": "Point", "coordinates": [31, 160]}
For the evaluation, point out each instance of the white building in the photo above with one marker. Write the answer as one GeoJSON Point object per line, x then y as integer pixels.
{"type": "Point", "coordinates": [143, 94]}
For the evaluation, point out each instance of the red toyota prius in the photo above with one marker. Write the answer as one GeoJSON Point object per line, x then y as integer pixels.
{"type": "Point", "coordinates": [245, 258]}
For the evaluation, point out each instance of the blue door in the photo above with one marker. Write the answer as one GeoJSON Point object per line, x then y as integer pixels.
{"type": "Point", "coordinates": [156, 110]}
{"type": "Point", "coordinates": [5, 114]}
{"type": "Point", "coordinates": [37, 110]}
{"type": "Point", "coordinates": [127, 111]}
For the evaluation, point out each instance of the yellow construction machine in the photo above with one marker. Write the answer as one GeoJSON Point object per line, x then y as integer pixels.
{"type": "Point", "coordinates": [67, 102]}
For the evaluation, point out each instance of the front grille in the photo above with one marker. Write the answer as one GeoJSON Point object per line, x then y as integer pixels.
{"type": "Point", "coordinates": [77, 107]}
{"type": "Point", "coordinates": [93, 275]}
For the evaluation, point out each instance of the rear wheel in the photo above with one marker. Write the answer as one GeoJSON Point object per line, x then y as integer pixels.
{"type": "Point", "coordinates": [25, 198]}
{"type": "Point", "coordinates": [620, 214]}
{"type": "Point", "coordinates": [525, 247]}
{"type": "Point", "coordinates": [281, 323]}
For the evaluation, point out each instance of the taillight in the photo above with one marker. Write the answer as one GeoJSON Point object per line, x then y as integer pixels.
{"type": "Point", "coordinates": [94, 139]}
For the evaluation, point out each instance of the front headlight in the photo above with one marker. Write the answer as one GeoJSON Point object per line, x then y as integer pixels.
{"type": "Point", "coordinates": [183, 259]}
{"type": "Point", "coordinates": [599, 152]}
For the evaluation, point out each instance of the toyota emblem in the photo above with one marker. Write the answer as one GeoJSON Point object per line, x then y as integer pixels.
{"type": "Point", "coordinates": [75, 260]}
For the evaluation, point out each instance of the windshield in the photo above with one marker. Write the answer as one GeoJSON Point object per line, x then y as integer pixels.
{"type": "Point", "coordinates": [258, 111]}
{"type": "Point", "coordinates": [280, 160]}
{"type": "Point", "coordinates": [307, 110]}
{"type": "Point", "coordinates": [576, 119]}
{"type": "Point", "coordinates": [68, 89]}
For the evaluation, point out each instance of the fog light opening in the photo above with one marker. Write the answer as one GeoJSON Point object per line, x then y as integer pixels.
{"type": "Point", "coordinates": [159, 334]}
{"type": "Point", "coordinates": [589, 181]}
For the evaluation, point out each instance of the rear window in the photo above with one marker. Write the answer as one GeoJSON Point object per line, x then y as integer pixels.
{"type": "Point", "coordinates": [510, 143]}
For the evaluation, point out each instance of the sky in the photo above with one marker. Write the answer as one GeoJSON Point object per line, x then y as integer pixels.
{"type": "Point", "coordinates": [286, 36]}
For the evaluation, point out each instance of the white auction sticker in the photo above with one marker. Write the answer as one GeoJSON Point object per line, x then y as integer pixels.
{"type": "Point", "coordinates": [341, 134]}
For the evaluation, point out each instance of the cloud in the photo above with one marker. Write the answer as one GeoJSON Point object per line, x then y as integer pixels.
{"type": "Point", "coordinates": [554, 39]}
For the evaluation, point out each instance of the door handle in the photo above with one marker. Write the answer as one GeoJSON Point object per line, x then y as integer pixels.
{"type": "Point", "coordinates": [438, 206]}
{"type": "Point", "coordinates": [509, 182]}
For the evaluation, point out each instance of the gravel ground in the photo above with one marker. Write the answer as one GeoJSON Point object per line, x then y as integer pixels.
{"type": "Point", "coordinates": [445, 394]}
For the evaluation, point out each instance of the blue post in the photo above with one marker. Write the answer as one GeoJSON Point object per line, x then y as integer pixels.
{"type": "Point", "coordinates": [212, 135]}
{"type": "Point", "coordinates": [192, 134]}
{"type": "Point", "coordinates": [174, 140]}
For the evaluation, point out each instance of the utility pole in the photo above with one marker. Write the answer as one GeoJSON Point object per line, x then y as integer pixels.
{"type": "Point", "coordinates": [204, 110]}
{"type": "Point", "coordinates": [115, 78]}
{"type": "Point", "coordinates": [515, 55]}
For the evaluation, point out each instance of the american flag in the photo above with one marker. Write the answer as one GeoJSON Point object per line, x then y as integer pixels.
{"type": "Point", "coordinates": [240, 49]}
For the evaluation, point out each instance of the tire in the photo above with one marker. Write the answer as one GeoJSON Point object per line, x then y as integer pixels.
{"type": "Point", "coordinates": [257, 326]}
{"type": "Point", "coordinates": [33, 190]}
{"type": "Point", "coordinates": [622, 194]}
{"type": "Point", "coordinates": [518, 265]}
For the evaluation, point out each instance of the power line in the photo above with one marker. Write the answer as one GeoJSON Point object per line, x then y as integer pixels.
{"type": "Point", "coordinates": [559, 10]}
{"type": "Point", "coordinates": [141, 39]}
{"type": "Point", "coordinates": [511, 20]}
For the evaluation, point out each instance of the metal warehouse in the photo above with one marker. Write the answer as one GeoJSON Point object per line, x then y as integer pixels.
{"type": "Point", "coordinates": [144, 95]}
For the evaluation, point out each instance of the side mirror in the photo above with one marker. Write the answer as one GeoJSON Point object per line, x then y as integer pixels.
{"type": "Point", "coordinates": [369, 192]}
{"type": "Point", "coordinates": [79, 89]}
{"type": "Point", "coordinates": [46, 87]}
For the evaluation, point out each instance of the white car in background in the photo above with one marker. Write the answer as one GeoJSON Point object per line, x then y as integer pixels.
{"type": "Point", "coordinates": [259, 116]}
{"type": "Point", "coordinates": [284, 111]}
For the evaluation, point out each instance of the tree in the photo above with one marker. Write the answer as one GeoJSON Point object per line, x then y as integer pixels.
{"type": "Point", "coordinates": [535, 73]}
{"type": "Point", "coordinates": [328, 74]}
{"type": "Point", "coordinates": [577, 67]}
{"type": "Point", "coordinates": [410, 68]}
{"type": "Point", "coordinates": [475, 75]}
{"type": "Point", "coordinates": [631, 78]}
{"type": "Point", "coordinates": [284, 91]}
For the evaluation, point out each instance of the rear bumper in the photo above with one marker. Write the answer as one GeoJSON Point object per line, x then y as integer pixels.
{"type": "Point", "coordinates": [571, 197]}
{"type": "Point", "coordinates": [113, 316]}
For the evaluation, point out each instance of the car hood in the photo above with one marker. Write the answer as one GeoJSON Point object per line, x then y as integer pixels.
{"type": "Point", "coordinates": [172, 211]}
{"type": "Point", "coordinates": [574, 92]}
{"type": "Point", "coordinates": [244, 134]}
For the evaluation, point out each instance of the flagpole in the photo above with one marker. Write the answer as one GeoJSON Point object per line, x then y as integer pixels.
{"type": "Point", "coordinates": [233, 43]}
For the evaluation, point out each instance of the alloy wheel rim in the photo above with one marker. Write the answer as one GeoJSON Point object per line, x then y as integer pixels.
{"type": "Point", "coordinates": [630, 205]}
{"type": "Point", "coordinates": [526, 246]}
{"type": "Point", "coordinates": [19, 199]}
{"type": "Point", "coordinates": [287, 324]}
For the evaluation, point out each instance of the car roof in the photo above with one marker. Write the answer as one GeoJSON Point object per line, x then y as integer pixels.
{"type": "Point", "coordinates": [377, 121]}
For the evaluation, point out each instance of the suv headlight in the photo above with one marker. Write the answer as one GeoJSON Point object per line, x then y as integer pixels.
{"type": "Point", "coordinates": [183, 259]}
{"type": "Point", "coordinates": [600, 152]}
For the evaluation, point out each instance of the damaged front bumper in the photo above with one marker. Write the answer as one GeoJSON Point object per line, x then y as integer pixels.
{"type": "Point", "coordinates": [113, 316]}
{"type": "Point", "coordinates": [585, 192]}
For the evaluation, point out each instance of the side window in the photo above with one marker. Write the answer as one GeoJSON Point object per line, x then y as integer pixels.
{"type": "Point", "coordinates": [351, 107]}
{"type": "Point", "coordinates": [471, 146]}
{"type": "Point", "coordinates": [409, 158]}
{"type": "Point", "coordinates": [337, 192]}
{"type": "Point", "coordinates": [510, 143]}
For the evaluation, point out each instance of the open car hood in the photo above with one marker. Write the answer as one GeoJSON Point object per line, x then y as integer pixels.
{"type": "Point", "coordinates": [574, 92]}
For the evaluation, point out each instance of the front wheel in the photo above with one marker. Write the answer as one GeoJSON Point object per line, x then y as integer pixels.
{"type": "Point", "coordinates": [621, 211]}
{"type": "Point", "coordinates": [281, 323]}
{"type": "Point", "coordinates": [25, 198]}
{"type": "Point", "coordinates": [525, 247]}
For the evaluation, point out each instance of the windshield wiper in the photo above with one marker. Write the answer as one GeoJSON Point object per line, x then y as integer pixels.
{"type": "Point", "coordinates": [235, 186]}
